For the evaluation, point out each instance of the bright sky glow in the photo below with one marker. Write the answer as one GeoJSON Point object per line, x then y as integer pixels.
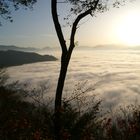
{"type": "Point", "coordinates": [35, 28]}
{"type": "Point", "coordinates": [128, 29]}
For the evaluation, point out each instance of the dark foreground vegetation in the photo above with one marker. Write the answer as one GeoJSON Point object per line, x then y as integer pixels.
{"type": "Point", "coordinates": [22, 120]}
{"type": "Point", "coordinates": [15, 58]}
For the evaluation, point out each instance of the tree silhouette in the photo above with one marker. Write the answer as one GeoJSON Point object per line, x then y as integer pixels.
{"type": "Point", "coordinates": [6, 7]}
{"type": "Point", "coordinates": [80, 9]}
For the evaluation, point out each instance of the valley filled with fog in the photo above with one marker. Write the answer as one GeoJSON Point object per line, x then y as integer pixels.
{"type": "Point", "coordinates": [114, 75]}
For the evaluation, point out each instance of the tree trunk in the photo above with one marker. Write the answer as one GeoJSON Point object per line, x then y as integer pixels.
{"type": "Point", "coordinates": [66, 55]}
{"type": "Point", "coordinates": [58, 98]}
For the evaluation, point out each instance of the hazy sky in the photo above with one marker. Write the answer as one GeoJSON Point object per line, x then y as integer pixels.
{"type": "Point", "coordinates": [34, 28]}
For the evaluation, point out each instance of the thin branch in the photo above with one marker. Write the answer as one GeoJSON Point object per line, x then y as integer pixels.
{"type": "Point", "coordinates": [74, 27]}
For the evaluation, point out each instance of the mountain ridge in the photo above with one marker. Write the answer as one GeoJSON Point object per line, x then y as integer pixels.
{"type": "Point", "coordinates": [13, 47]}
{"type": "Point", "coordinates": [47, 48]}
{"type": "Point", "coordinates": [15, 58]}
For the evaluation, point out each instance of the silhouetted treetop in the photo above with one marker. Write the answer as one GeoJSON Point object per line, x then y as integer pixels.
{"type": "Point", "coordinates": [6, 6]}
{"type": "Point", "coordinates": [76, 6]}
{"type": "Point", "coordinates": [79, 6]}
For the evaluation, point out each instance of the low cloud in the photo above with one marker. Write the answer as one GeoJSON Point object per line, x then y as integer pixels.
{"type": "Point", "coordinates": [115, 77]}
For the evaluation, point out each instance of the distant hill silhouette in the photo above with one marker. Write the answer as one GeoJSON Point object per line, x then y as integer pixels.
{"type": "Point", "coordinates": [14, 58]}
{"type": "Point", "coordinates": [27, 49]}
{"type": "Point", "coordinates": [108, 47]}
{"type": "Point", "coordinates": [12, 47]}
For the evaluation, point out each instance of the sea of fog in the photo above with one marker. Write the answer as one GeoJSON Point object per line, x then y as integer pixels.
{"type": "Point", "coordinates": [114, 75]}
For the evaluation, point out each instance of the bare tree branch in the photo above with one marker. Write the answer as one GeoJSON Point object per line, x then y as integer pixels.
{"type": "Point", "coordinates": [78, 19]}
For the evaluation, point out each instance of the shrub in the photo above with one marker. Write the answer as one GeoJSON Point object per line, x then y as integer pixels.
{"type": "Point", "coordinates": [80, 115]}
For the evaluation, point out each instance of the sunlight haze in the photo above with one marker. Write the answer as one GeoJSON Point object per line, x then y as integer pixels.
{"type": "Point", "coordinates": [128, 28]}
{"type": "Point", "coordinates": [34, 28]}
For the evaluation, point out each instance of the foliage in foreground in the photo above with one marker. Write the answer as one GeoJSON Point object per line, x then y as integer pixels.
{"type": "Point", "coordinates": [125, 125]}
{"type": "Point", "coordinates": [20, 120]}
{"type": "Point", "coordinates": [23, 120]}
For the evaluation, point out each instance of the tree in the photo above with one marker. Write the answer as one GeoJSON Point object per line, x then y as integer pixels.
{"type": "Point", "coordinates": [79, 8]}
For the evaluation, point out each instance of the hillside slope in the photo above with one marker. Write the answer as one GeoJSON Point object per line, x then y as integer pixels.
{"type": "Point", "coordinates": [14, 58]}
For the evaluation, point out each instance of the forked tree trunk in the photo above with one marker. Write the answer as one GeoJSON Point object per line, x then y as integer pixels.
{"type": "Point", "coordinates": [66, 55]}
